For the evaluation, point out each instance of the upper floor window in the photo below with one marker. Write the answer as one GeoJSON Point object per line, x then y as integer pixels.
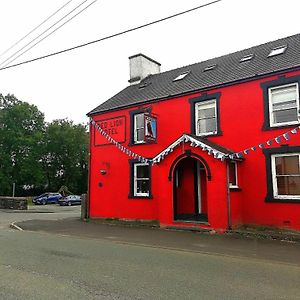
{"type": "Point", "coordinates": [142, 127]}
{"type": "Point", "coordinates": [281, 102]}
{"type": "Point", "coordinates": [139, 136]}
{"type": "Point", "coordinates": [205, 115]}
{"type": "Point", "coordinates": [206, 118]}
{"type": "Point", "coordinates": [286, 175]}
{"type": "Point", "coordinates": [284, 105]}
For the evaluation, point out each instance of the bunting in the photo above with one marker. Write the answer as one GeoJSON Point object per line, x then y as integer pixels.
{"type": "Point", "coordinates": [119, 146]}
{"type": "Point", "coordinates": [278, 139]}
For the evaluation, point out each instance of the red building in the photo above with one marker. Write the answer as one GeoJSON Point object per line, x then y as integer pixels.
{"type": "Point", "coordinates": [213, 145]}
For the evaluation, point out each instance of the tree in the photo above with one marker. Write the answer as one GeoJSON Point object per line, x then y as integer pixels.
{"type": "Point", "coordinates": [65, 158]}
{"type": "Point", "coordinates": [21, 130]}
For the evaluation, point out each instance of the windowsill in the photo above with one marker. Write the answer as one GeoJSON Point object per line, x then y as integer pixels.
{"type": "Point", "coordinates": [235, 189]}
{"type": "Point", "coordinates": [268, 127]}
{"type": "Point", "coordinates": [142, 143]}
{"type": "Point", "coordinates": [140, 197]}
{"type": "Point", "coordinates": [281, 200]}
{"type": "Point", "coordinates": [220, 133]}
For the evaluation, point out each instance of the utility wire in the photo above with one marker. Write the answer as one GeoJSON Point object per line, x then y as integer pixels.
{"type": "Point", "coordinates": [47, 34]}
{"type": "Point", "coordinates": [43, 32]}
{"type": "Point", "coordinates": [111, 36]}
{"type": "Point", "coordinates": [35, 28]}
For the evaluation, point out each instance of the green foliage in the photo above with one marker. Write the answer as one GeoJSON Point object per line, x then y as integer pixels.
{"type": "Point", "coordinates": [37, 156]}
{"type": "Point", "coordinates": [66, 156]}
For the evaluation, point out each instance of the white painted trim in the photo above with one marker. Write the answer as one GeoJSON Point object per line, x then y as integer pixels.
{"type": "Point", "coordinates": [199, 187]}
{"type": "Point", "coordinates": [135, 180]}
{"type": "Point", "coordinates": [272, 124]}
{"type": "Point", "coordinates": [213, 103]}
{"type": "Point", "coordinates": [236, 176]}
{"type": "Point", "coordinates": [186, 138]}
{"type": "Point", "coordinates": [135, 128]}
{"type": "Point", "coordinates": [274, 179]}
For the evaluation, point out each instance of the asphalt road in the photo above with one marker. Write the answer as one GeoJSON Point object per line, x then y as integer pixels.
{"type": "Point", "coordinates": [96, 261]}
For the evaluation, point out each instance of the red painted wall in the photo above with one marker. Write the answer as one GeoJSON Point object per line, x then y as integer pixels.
{"type": "Point", "coordinates": [241, 120]}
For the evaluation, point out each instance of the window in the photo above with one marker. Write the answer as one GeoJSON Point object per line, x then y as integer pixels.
{"type": "Point", "coordinates": [277, 51]}
{"type": "Point", "coordinates": [286, 176]}
{"type": "Point", "coordinates": [281, 102]}
{"type": "Point", "coordinates": [233, 180]}
{"type": "Point", "coordinates": [247, 57]}
{"type": "Point", "coordinates": [206, 118]}
{"type": "Point", "coordinates": [205, 114]}
{"type": "Point", "coordinates": [181, 76]}
{"type": "Point", "coordinates": [143, 127]}
{"type": "Point", "coordinates": [211, 67]}
{"type": "Point", "coordinates": [139, 128]}
{"type": "Point", "coordinates": [284, 105]}
{"type": "Point", "coordinates": [140, 179]}
{"type": "Point", "coordinates": [283, 174]}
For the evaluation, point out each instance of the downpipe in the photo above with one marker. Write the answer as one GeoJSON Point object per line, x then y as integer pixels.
{"type": "Point", "coordinates": [228, 197]}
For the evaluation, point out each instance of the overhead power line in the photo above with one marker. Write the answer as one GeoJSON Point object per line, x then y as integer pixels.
{"type": "Point", "coordinates": [111, 36]}
{"type": "Point", "coordinates": [29, 43]}
{"type": "Point", "coordinates": [35, 28]}
{"type": "Point", "coordinates": [47, 34]}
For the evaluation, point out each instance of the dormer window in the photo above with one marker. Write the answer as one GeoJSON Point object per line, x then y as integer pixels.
{"type": "Point", "coordinates": [277, 51]}
{"type": "Point", "coordinates": [181, 76]}
{"type": "Point", "coordinates": [247, 57]}
{"type": "Point", "coordinates": [209, 68]}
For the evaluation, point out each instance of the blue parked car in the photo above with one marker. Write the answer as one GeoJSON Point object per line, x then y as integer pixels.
{"type": "Point", "coordinates": [47, 198]}
{"type": "Point", "coordinates": [70, 200]}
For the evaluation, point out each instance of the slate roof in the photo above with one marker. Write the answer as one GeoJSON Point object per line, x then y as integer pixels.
{"type": "Point", "coordinates": [228, 70]}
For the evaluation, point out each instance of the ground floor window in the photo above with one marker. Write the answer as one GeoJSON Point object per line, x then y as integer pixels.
{"type": "Point", "coordinates": [233, 179]}
{"type": "Point", "coordinates": [140, 181]}
{"type": "Point", "coordinates": [283, 174]}
{"type": "Point", "coordinates": [286, 175]}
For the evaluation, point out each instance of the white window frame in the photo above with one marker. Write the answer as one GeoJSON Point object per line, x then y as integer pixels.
{"type": "Point", "coordinates": [202, 103]}
{"type": "Point", "coordinates": [135, 180]}
{"type": "Point", "coordinates": [272, 123]}
{"type": "Point", "coordinates": [274, 180]}
{"type": "Point", "coordinates": [236, 185]}
{"type": "Point", "coordinates": [135, 128]}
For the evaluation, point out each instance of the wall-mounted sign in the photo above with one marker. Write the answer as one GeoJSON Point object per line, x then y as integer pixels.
{"type": "Point", "coordinates": [150, 128]}
{"type": "Point", "coordinates": [114, 127]}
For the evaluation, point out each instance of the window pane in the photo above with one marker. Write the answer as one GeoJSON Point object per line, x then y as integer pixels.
{"type": "Point", "coordinates": [207, 125]}
{"type": "Point", "coordinates": [283, 116]}
{"type": "Point", "coordinates": [285, 105]}
{"type": "Point", "coordinates": [232, 174]}
{"type": "Point", "coordinates": [139, 121]}
{"type": "Point", "coordinates": [284, 95]}
{"type": "Point", "coordinates": [206, 113]}
{"type": "Point", "coordinates": [140, 134]}
{"type": "Point", "coordinates": [142, 172]}
{"type": "Point", "coordinates": [288, 185]}
{"type": "Point", "coordinates": [287, 165]}
{"type": "Point", "coordinates": [143, 186]}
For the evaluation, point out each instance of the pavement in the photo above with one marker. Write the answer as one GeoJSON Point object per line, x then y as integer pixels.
{"type": "Point", "coordinates": [235, 243]}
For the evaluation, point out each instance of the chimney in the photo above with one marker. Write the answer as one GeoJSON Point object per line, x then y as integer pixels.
{"type": "Point", "coordinates": [141, 66]}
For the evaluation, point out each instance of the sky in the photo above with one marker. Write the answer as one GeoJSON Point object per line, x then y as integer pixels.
{"type": "Point", "coordinates": [70, 85]}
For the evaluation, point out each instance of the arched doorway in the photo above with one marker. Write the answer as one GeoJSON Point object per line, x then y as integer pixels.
{"type": "Point", "coordinates": [190, 190]}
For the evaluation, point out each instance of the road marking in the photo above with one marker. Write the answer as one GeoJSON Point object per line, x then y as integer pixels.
{"type": "Point", "coordinates": [14, 226]}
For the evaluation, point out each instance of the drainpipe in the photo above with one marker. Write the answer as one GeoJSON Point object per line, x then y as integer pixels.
{"type": "Point", "coordinates": [228, 196]}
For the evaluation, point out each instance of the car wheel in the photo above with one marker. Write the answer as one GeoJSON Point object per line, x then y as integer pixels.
{"type": "Point", "coordinates": [69, 203]}
{"type": "Point", "coordinates": [44, 202]}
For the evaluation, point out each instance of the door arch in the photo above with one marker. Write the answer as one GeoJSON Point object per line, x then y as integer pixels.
{"type": "Point", "coordinates": [190, 176]}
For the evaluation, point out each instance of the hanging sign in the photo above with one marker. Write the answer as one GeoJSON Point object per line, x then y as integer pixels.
{"type": "Point", "coordinates": [114, 127]}
{"type": "Point", "coordinates": [150, 128]}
